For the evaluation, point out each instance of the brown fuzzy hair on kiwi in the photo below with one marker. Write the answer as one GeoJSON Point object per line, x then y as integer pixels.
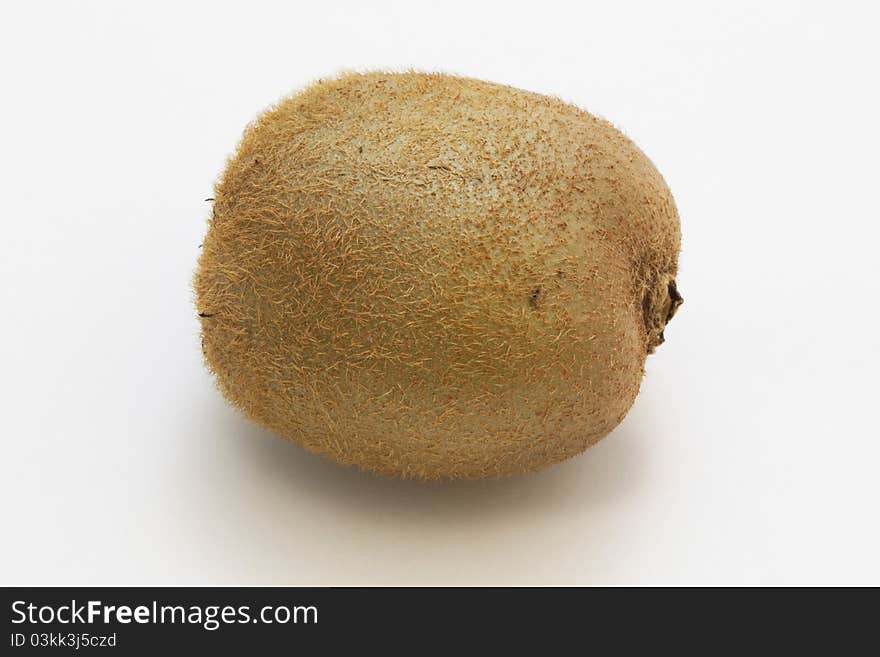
{"type": "Point", "coordinates": [432, 276]}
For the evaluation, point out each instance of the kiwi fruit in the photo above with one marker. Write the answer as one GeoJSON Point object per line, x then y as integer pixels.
{"type": "Point", "coordinates": [436, 277]}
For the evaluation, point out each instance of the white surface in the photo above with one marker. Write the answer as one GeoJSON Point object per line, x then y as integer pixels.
{"type": "Point", "coordinates": [751, 455]}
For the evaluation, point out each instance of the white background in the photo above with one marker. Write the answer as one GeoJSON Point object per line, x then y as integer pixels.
{"type": "Point", "coordinates": [751, 455]}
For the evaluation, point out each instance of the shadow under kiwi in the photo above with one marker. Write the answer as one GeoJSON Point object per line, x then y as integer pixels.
{"type": "Point", "coordinates": [602, 473]}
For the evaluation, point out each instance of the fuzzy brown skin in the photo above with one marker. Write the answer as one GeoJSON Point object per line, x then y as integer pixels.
{"type": "Point", "coordinates": [436, 277]}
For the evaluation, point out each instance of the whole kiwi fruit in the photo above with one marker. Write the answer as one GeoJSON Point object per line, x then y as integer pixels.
{"type": "Point", "coordinates": [436, 277]}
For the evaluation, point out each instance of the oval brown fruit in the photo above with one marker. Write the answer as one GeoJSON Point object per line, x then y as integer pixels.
{"type": "Point", "coordinates": [431, 276]}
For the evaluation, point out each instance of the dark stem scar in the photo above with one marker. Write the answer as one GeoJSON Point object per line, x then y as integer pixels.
{"type": "Point", "coordinates": [676, 300]}
{"type": "Point", "coordinates": [206, 314]}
